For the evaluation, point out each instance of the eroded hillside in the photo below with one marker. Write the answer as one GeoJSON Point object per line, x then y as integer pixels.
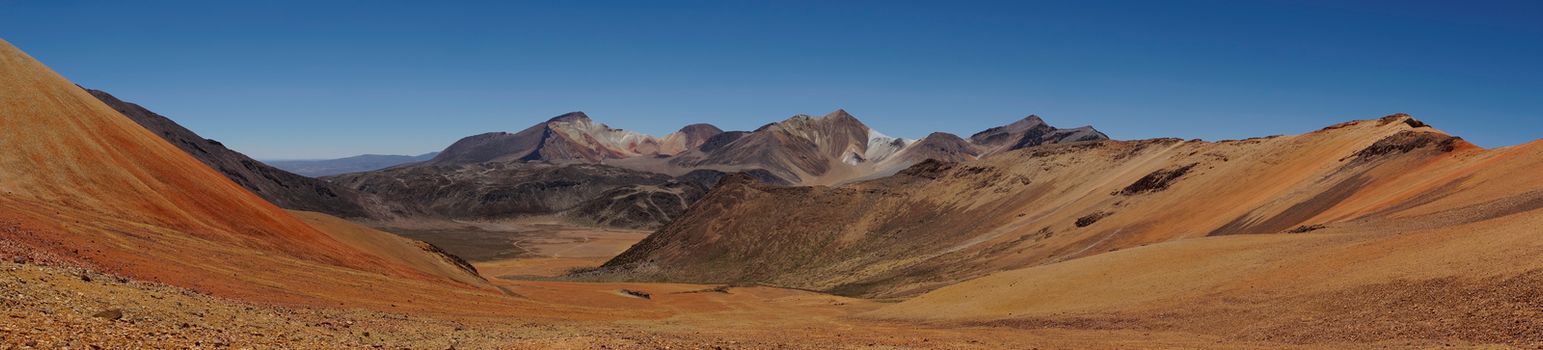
{"type": "Point", "coordinates": [939, 223]}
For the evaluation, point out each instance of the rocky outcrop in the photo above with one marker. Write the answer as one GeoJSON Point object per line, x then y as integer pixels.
{"type": "Point", "coordinates": [1157, 180]}
{"type": "Point", "coordinates": [1409, 141]}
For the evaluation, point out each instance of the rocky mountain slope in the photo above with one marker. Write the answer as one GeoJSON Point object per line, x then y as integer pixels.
{"type": "Point", "coordinates": [359, 163]}
{"type": "Point", "coordinates": [588, 173]}
{"type": "Point", "coordinates": [279, 187]}
{"type": "Point", "coordinates": [568, 137]}
{"type": "Point", "coordinates": [495, 189]}
{"type": "Point", "coordinates": [941, 146]}
{"type": "Point", "coordinates": [688, 138]}
{"type": "Point", "coordinates": [581, 193]}
{"type": "Point", "coordinates": [837, 148]}
{"type": "Point", "coordinates": [938, 223]}
{"type": "Point", "coordinates": [1029, 132]}
{"type": "Point", "coordinates": [830, 149]}
{"type": "Point", "coordinates": [802, 149]}
{"type": "Point", "coordinates": [83, 185]}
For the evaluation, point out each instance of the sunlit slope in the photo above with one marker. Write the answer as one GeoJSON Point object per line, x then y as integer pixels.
{"type": "Point", "coordinates": [1447, 249]}
{"type": "Point", "coordinates": [940, 223]}
{"type": "Point", "coordinates": [417, 255]}
{"type": "Point", "coordinates": [80, 182]}
{"type": "Point", "coordinates": [1474, 216]}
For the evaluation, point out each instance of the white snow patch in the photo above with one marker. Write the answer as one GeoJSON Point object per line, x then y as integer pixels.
{"type": "Point", "coordinates": [881, 146]}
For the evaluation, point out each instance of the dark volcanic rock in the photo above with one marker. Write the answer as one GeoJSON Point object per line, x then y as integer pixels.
{"type": "Point", "coordinates": [1029, 132]}
{"type": "Point", "coordinates": [1306, 228]}
{"type": "Point", "coordinates": [1157, 180]}
{"type": "Point", "coordinates": [709, 177]}
{"type": "Point", "coordinates": [1407, 141]}
{"type": "Point", "coordinates": [716, 142]}
{"type": "Point", "coordinates": [1090, 219]}
{"type": "Point", "coordinates": [637, 293]}
{"type": "Point", "coordinates": [584, 193]}
{"type": "Point", "coordinates": [930, 168]}
{"type": "Point", "coordinates": [495, 190]}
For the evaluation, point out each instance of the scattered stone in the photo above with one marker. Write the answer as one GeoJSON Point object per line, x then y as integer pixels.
{"type": "Point", "coordinates": [110, 314]}
{"type": "Point", "coordinates": [1306, 228]}
{"type": "Point", "coordinates": [724, 289]}
{"type": "Point", "coordinates": [1088, 220]}
{"type": "Point", "coordinates": [638, 293]}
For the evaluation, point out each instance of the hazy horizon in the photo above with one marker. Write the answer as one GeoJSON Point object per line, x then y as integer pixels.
{"type": "Point", "coordinates": [295, 80]}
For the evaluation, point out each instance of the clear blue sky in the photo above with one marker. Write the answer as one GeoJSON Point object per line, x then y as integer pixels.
{"type": "Point", "coordinates": [312, 79]}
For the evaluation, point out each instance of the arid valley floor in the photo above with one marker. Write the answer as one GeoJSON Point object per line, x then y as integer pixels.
{"type": "Point", "coordinates": [49, 306]}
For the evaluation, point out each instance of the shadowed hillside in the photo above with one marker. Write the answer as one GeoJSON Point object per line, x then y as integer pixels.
{"type": "Point", "coordinates": [280, 187]}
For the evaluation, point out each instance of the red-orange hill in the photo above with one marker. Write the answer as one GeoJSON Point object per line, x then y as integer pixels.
{"type": "Point", "coordinates": [82, 184]}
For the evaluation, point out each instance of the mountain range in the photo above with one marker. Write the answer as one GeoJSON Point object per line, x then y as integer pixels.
{"type": "Point", "coordinates": [586, 172]}
{"type": "Point", "coordinates": [359, 163]}
{"type": "Point", "coordinates": [803, 149]}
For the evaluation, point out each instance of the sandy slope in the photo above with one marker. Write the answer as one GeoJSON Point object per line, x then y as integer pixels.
{"type": "Point", "coordinates": [282, 188]}
{"type": "Point", "coordinates": [420, 256]}
{"type": "Point", "coordinates": [1475, 282]}
{"type": "Point", "coordinates": [83, 184]}
{"type": "Point", "coordinates": [1446, 249]}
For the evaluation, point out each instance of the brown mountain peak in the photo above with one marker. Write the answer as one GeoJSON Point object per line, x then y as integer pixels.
{"type": "Point", "coordinates": [570, 117]}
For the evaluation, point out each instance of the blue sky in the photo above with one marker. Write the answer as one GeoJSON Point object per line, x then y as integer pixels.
{"type": "Point", "coordinates": [317, 79]}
